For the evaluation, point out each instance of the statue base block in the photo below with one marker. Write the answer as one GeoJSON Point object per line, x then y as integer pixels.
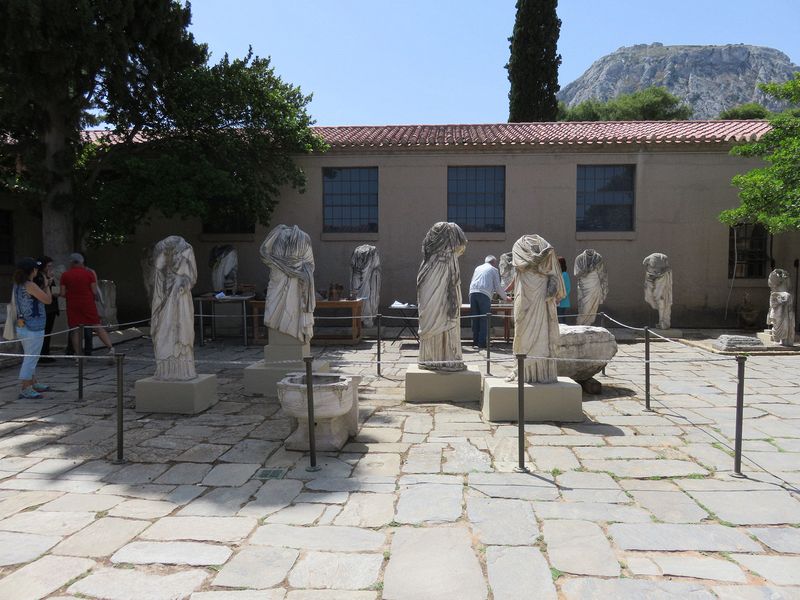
{"type": "Point", "coordinates": [262, 379]}
{"type": "Point", "coordinates": [181, 397]}
{"type": "Point", "coordinates": [561, 401]}
{"type": "Point", "coordinates": [443, 386]}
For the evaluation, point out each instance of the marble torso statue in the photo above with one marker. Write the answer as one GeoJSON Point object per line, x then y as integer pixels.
{"type": "Point", "coordinates": [365, 279]}
{"type": "Point", "coordinates": [592, 281]}
{"type": "Point", "coordinates": [658, 287]}
{"type": "Point", "coordinates": [224, 263]}
{"type": "Point", "coordinates": [538, 288]}
{"type": "Point", "coordinates": [439, 298]}
{"type": "Point", "coordinates": [781, 308]}
{"type": "Point", "coordinates": [172, 322]}
{"type": "Point", "coordinates": [506, 269]}
{"type": "Point", "coordinates": [290, 302]}
{"type": "Point", "coordinates": [107, 290]}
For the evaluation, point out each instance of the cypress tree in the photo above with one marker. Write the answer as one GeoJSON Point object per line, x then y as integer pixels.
{"type": "Point", "coordinates": [533, 66]}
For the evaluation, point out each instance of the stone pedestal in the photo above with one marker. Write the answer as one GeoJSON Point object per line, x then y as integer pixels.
{"type": "Point", "coordinates": [262, 377]}
{"type": "Point", "coordinates": [561, 401]}
{"type": "Point", "coordinates": [182, 397]}
{"type": "Point", "coordinates": [766, 337]}
{"type": "Point", "coordinates": [443, 386]}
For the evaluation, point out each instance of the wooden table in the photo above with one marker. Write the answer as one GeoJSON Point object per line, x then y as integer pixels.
{"type": "Point", "coordinates": [354, 306]}
{"type": "Point", "coordinates": [506, 310]}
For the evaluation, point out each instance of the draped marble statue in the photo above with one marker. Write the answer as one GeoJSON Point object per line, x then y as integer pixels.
{"type": "Point", "coordinates": [592, 281]}
{"type": "Point", "coordinates": [506, 269]}
{"type": "Point", "coordinates": [538, 288]}
{"type": "Point", "coordinates": [172, 321]}
{"type": "Point", "coordinates": [439, 298]}
{"type": "Point", "coordinates": [290, 302]}
{"type": "Point", "coordinates": [224, 263]}
{"type": "Point", "coordinates": [781, 308]}
{"type": "Point", "coordinates": [146, 263]}
{"type": "Point", "coordinates": [658, 287]}
{"type": "Point", "coordinates": [107, 307]}
{"type": "Point", "coordinates": [365, 279]}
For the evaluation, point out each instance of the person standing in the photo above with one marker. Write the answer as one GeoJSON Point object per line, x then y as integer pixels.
{"type": "Point", "coordinates": [30, 300]}
{"type": "Point", "coordinates": [564, 306]}
{"type": "Point", "coordinates": [485, 282]}
{"type": "Point", "coordinates": [50, 310]}
{"type": "Point", "coordinates": [79, 288]}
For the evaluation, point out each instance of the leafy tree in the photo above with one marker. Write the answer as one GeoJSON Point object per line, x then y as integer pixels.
{"type": "Point", "coordinates": [650, 104]}
{"type": "Point", "coordinates": [770, 195]}
{"type": "Point", "coordinates": [184, 137]}
{"type": "Point", "coordinates": [744, 112]}
{"type": "Point", "coordinates": [533, 65]}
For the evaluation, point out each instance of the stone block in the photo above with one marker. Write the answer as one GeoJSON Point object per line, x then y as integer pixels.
{"type": "Point", "coordinates": [181, 397]}
{"type": "Point", "coordinates": [561, 401]}
{"type": "Point", "coordinates": [284, 347]}
{"type": "Point", "coordinates": [443, 386]}
{"type": "Point", "coordinates": [262, 379]}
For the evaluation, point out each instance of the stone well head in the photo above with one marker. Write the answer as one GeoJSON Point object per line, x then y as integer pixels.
{"type": "Point", "coordinates": [334, 394]}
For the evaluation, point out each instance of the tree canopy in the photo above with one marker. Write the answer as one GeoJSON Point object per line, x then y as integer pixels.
{"type": "Point", "coordinates": [183, 137]}
{"type": "Point", "coordinates": [747, 111]}
{"type": "Point", "coordinates": [770, 195]}
{"type": "Point", "coordinates": [650, 104]}
{"type": "Point", "coordinates": [533, 65]}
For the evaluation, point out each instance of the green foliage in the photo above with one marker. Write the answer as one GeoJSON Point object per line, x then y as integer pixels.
{"type": "Point", "coordinates": [185, 137]}
{"type": "Point", "coordinates": [533, 65]}
{"type": "Point", "coordinates": [770, 195]}
{"type": "Point", "coordinates": [651, 104]}
{"type": "Point", "coordinates": [747, 111]}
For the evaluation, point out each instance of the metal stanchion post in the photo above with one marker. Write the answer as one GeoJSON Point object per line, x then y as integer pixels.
{"type": "Point", "coordinates": [119, 358]}
{"type": "Point", "coordinates": [647, 369]}
{"type": "Point", "coordinates": [520, 468]}
{"type": "Point", "coordinates": [378, 323]}
{"type": "Point", "coordinates": [489, 343]}
{"type": "Point", "coordinates": [737, 456]}
{"type": "Point", "coordinates": [312, 442]}
{"type": "Point", "coordinates": [79, 353]}
{"type": "Point", "coordinates": [202, 322]}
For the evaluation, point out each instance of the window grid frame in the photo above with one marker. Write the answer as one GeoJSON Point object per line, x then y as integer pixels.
{"type": "Point", "coordinates": [589, 195]}
{"type": "Point", "coordinates": [351, 203]}
{"type": "Point", "coordinates": [751, 262]}
{"type": "Point", "coordinates": [475, 202]}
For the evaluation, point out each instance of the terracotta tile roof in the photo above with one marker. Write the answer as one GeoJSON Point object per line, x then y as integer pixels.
{"type": "Point", "coordinates": [543, 134]}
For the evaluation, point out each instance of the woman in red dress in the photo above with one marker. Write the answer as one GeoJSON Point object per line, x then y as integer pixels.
{"type": "Point", "coordinates": [79, 288]}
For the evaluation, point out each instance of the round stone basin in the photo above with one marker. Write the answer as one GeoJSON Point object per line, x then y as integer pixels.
{"type": "Point", "coordinates": [333, 395]}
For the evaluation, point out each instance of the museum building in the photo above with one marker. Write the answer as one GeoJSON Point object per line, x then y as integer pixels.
{"type": "Point", "coordinates": [626, 189]}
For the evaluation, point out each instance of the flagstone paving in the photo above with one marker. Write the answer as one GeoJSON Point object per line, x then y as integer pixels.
{"type": "Point", "coordinates": [422, 504]}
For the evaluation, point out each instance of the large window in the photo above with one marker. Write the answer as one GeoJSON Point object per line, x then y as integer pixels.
{"type": "Point", "coordinates": [748, 252]}
{"type": "Point", "coordinates": [476, 198]}
{"type": "Point", "coordinates": [6, 237]}
{"type": "Point", "coordinates": [605, 197]}
{"type": "Point", "coordinates": [350, 199]}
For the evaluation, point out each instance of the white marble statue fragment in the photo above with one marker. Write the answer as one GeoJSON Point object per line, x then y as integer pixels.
{"type": "Point", "coordinates": [146, 263]}
{"type": "Point", "coordinates": [658, 287]}
{"type": "Point", "coordinates": [506, 269]}
{"type": "Point", "coordinates": [538, 288]}
{"type": "Point", "coordinates": [172, 320]}
{"type": "Point", "coordinates": [365, 279]}
{"type": "Point", "coordinates": [290, 302]}
{"type": "Point", "coordinates": [781, 308]}
{"type": "Point", "coordinates": [107, 306]}
{"type": "Point", "coordinates": [592, 281]}
{"type": "Point", "coordinates": [224, 263]}
{"type": "Point", "coordinates": [439, 298]}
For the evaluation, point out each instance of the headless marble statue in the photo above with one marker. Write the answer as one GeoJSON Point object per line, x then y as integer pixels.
{"type": "Point", "coordinates": [506, 269]}
{"type": "Point", "coordinates": [439, 298]}
{"type": "Point", "coordinates": [592, 281]}
{"type": "Point", "coordinates": [172, 321]}
{"type": "Point", "coordinates": [658, 287]}
{"type": "Point", "coordinates": [224, 263]}
{"type": "Point", "coordinates": [146, 263]}
{"type": "Point", "coordinates": [538, 288]}
{"type": "Point", "coordinates": [781, 308]}
{"type": "Point", "coordinates": [365, 279]}
{"type": "Point", "coordinates": [289, 307]}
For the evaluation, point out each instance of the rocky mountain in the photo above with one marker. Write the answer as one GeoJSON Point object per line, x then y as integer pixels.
{"type": "Point", "coordinates": [708, 78]}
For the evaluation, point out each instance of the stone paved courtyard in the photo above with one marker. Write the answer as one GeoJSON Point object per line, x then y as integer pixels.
{"type": "Point", "coordinates": [422, 504]}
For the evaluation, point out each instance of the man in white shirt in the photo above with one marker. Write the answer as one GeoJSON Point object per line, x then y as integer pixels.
{"type": "Point", "coordinates": [485, 282]}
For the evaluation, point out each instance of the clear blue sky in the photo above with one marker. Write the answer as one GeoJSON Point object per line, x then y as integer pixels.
{"type": "Point", "coordinates": [374, 62]}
